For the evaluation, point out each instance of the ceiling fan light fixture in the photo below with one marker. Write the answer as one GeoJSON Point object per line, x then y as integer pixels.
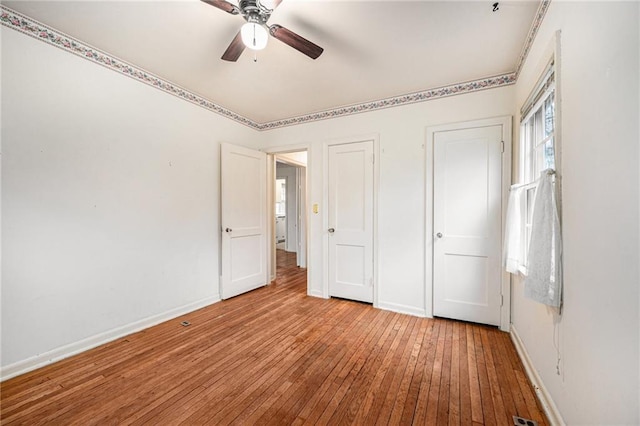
{"type": "Point", "coordinates": [254, 36]}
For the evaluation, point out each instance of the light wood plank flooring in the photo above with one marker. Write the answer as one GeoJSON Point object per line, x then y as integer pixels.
{"type": "Point", "coordinates": [276, 356]}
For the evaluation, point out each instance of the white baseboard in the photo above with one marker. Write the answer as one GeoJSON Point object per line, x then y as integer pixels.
{"type": "Point", "coordinates": [315, 293]}
{"type": "Point", "coordinates": [71, 349]}
{"type": "Point", "coordinates": [402, 309]}
{"type": "Point", "coordinates": [549, 407]}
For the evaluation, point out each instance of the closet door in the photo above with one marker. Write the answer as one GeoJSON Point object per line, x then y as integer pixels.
{"type": "Point", "coordinates": [351, 221]}
{"type": "Point", "coordinates": [467, 224]}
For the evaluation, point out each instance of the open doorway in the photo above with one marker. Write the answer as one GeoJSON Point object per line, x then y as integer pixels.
{"type": "Point", "coordinates": [281, 210]}
{"type": "Point", "coordinates": [289, 242]}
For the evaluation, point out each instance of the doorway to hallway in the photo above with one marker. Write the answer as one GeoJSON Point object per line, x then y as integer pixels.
{"type": "Point", "coordinates": [289, 236]}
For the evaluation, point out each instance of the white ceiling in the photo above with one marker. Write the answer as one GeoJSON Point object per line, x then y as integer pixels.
{"type": "Point", "coordinates": [372, 49]}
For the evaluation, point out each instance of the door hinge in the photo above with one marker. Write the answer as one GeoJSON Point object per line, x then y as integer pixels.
{"type": "Point", "coordinates": [501, 146]}
{"type": "Point", "coordinates": [501, 300]}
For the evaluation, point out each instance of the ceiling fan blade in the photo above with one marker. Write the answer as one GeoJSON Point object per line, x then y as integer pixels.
{"type": "Point", "coordinates": [223, 5]}
{"type": "Point", "coordinates": [234, 50]}
{"type": "Point", "coordinates": [299, 43]}
{"type": "Point", "coordinates": [275, 3]}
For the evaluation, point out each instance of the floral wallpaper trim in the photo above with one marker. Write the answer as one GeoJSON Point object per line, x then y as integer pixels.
{"type": "Point", "coordinates": [533, 31]}
{"type": "Point", "coordinates": [441, 92]}
{"type": "Point", "coordinates": [35, 29]}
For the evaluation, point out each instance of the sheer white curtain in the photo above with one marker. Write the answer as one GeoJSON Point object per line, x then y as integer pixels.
{"type": "Point", "coordinates": [544, 264]}
{"type": "Point", "coordinates": [512, 255]}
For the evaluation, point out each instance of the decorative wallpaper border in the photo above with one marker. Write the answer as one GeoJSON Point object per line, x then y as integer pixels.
{"type": "Point", "coordinates": [35, 29]}
{"type": "Point", "coordinates": [412, 98]}
{"type": "Point", "coordinates": [533, 31]}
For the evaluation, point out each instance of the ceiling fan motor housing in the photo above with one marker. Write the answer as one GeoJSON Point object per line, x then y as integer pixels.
{"type": "Point", "coordinates": [254, 12]}
{"type": "Point", "coordinates": [255, 33]}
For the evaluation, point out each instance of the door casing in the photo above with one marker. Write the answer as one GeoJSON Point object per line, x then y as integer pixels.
{"type": "Point", "coordinates": [505, 284]}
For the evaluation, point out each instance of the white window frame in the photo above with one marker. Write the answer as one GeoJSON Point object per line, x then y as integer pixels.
{"type": "Point", "coordinates": [532, 145]}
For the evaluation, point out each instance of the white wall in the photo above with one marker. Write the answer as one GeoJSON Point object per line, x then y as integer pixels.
{"type": "Point", "coordinates": [110, 214]}
{"type": "Point", "coordinates": [598, 331]}
{"type": "Point", "coordinates": [110, 203]}
{"type": "Point", "coordinates": [401, 214]}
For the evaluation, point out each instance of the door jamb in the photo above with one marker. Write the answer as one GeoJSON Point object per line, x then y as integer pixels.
{"type": "Point", "coordinates": [325, 200]}
{"type": "Point", "coordinates": [271, 217]}
{"type": "Point", "coordinates": [505, 284]}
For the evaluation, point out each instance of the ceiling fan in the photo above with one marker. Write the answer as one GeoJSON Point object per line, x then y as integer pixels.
{"type": "Point", "coordinates": [255, 33]}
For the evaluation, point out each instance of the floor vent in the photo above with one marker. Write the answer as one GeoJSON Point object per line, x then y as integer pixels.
{"type": "Point", "coordinates": [521, 421]}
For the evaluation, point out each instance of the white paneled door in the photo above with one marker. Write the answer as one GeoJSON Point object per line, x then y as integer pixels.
{"type": "Point", "coordinates": [350, 231]}
{"type": "Point", "coordinates": [243, 219]}
{"type": "Point", "coordinates": [467, 224]}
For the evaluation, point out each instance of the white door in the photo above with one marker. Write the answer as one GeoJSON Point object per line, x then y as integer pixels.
{"type": "Point", "coordinates": [351, 221]}
{"type": "Point", "coordinates": [467, 224]}
{"type": "Point", "coordinates": [243, 220]}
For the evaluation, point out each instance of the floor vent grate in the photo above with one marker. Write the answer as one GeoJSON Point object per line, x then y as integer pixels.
{"type": "Point", "coordinates": [521, 421]}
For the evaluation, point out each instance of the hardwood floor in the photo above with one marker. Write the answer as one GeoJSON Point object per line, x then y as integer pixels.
{"type": "Point", "coordinates": [276, 356]}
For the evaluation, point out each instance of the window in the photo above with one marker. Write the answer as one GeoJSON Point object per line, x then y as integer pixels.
{"type": "Point", "coordinates": [537, 146]}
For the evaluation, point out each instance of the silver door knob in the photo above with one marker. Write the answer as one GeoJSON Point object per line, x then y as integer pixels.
{"type": "Point", "coordinates": [439, 235]}
{"type": "Point", "coordinates": [331, 230]}
{"type": "Point", "coordinates": [228, 230]}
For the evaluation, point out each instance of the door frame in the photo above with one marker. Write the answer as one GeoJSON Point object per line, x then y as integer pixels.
{"type": "Point", "coordinates": [301, 211]}
{"type": "Point", "coordinates": [272, 152]}
{"type": "Point", "coordinates": [325, 201]}
{"type": "Point", "coordinates": [505, 284]}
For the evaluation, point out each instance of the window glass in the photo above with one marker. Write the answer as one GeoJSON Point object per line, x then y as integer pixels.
{"type": "Point", "coordinates": [537, 140]}
{"type": "Point", "coordinates": [549, 155]}
{"type": "Point", "coordinates": [549, 108]}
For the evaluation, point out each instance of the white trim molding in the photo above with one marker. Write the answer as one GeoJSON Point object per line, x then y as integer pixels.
{"type": "Point", "coordinates": [316, 293]}
{"type": "Point", "coordinates": [49, 357]}
{"type": "Point", "coordinates": [548, 405]}
{"type": "Point", "coordinates": [402, 309]}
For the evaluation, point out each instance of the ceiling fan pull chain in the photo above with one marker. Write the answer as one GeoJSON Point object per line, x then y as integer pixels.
{"type": "Point", "coordinates": [255, 56]}
{"type": "Point", "coordinates": [254, 36]}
